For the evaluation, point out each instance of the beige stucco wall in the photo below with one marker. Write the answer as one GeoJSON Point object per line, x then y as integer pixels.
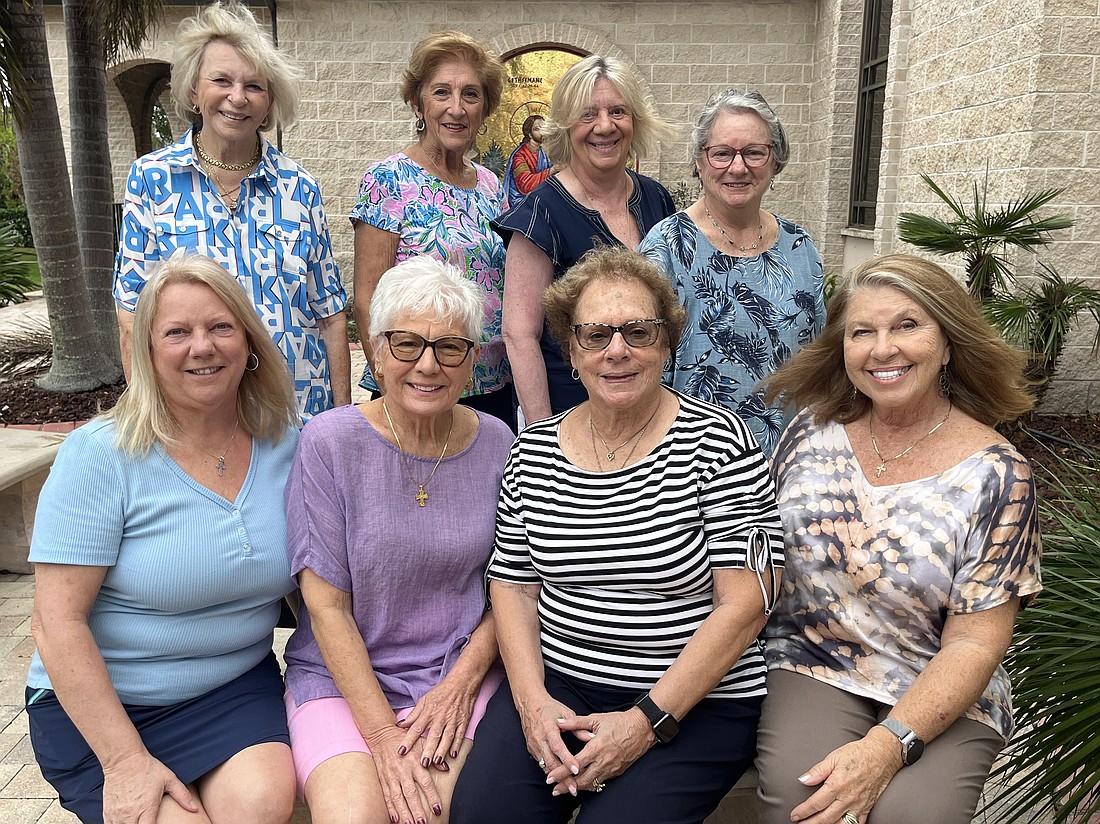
{"type": "Point", "coordinates": [1008, 83]}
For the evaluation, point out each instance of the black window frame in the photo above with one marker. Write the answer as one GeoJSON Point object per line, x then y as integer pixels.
{"type": "Point", "coordinates": [870, 112]}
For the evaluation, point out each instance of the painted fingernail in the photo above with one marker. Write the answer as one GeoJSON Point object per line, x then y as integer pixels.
{"type": "Point", "coordinates": [421, 821]}
{"type": "Point", "coordinates": [425, 761]}
{"type": "Point", "coordinates": [437, 810]}
{"type": "Point", "coordinates": [574, 769]}
{"type": "Point", "coordinates": [401, 751]}
{"type": "Point", "coordinates": [550, 780]}
{"type": "Point", "coordinates": [803, 779]}
{"type": "Point", "coordinates": [555, 792]}
{"type": "Point", "coordinates": [454, 753]}
{"type": "Point", "coordinates": [444, 766]}
{"type": "Point", "coordinates": [573, 791]}
{"type": "Point", "coordinates": [393, 819]}
{"type": "Point", "coordinates": [438, 760]}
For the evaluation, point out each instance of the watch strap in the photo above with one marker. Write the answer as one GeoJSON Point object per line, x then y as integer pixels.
{"type": "Point", "coordinates": [665, 727]}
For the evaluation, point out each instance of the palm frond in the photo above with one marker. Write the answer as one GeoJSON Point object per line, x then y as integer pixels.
{"type": "Point", "coordinates": [1054, 759]}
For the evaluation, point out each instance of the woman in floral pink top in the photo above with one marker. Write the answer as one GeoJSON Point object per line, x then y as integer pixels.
{"type": "Point", "coordinates": [431, 200]}
{"type": "Point", "coordinates": [911, 542]}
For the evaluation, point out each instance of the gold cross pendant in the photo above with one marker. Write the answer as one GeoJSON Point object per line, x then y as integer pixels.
{"type": "Point", "coordinates": [878, 471]}
{"type": "Point", "coordinates": [421, 496]}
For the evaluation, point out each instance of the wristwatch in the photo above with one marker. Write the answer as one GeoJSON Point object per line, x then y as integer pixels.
{"type": "Point", "coordinates": [664, 725]}
{"type": "Point", "coordinates": [912, 748]}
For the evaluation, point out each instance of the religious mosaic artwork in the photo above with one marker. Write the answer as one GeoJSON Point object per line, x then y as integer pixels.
{"type": "Point", "coordinates": [529, 83]}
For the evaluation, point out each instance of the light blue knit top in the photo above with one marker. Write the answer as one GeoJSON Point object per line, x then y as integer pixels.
{"type": "Point", "coordinates": [193, 582]}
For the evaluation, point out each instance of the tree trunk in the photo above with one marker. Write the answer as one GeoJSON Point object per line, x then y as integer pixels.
{"type": "Point", "coordinates": [78, 365]}
{"type": "Point", "coordinates": [91, 165]}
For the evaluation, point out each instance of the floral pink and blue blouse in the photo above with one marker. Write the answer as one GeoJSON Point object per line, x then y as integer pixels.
{"type": "Point", "coordinates": [276, 244]}
{"type": "Point", "coordinates": [450, 223]}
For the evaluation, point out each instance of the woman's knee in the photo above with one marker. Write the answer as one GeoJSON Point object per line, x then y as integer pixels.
{"type": "Point", "coordinates": [256, 786]}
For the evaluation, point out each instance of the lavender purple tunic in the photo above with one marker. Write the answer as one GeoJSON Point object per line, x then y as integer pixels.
{"type": "Point", "coordinates": [415, 574]}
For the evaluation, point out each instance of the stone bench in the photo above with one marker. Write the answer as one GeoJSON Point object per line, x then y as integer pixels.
{"type": "Point", "coordinates": [25, 460]}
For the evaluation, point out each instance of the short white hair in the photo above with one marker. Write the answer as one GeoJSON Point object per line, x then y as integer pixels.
{"type": "Point", "coordinates": [425, 287]}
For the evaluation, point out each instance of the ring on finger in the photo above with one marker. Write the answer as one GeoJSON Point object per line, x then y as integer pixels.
{"type": "Point", "coordinates": [597, 787]}
{"type": "Point", "coordinates": [850, 817]}
{"type": "Point", "coordinates": [542, 763]}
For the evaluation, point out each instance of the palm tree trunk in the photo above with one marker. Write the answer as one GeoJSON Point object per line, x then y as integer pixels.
{"type": "Point", "coordinates": [91, 165]}
{"type": "Point", "coordinates": [78, 365]}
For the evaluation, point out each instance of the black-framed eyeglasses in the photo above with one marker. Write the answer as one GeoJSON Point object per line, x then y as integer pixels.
{"type": "Point", "coordinates": [450, 350]}
{"type": "Point", "coordinates": [722, 157]}
{"type": "Point", "coordinates": [636, 333]}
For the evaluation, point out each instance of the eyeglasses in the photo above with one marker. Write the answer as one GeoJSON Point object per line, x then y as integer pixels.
{"type": "Point", "coordinates": [409, 346]}
{"type": "Point", "coordinates": [637, 333]}
{"type": "Point", "coordinates": [722, 157]}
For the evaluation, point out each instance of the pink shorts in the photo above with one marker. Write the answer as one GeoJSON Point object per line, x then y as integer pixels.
{"type": "Point", "coordinates": [323, 728]}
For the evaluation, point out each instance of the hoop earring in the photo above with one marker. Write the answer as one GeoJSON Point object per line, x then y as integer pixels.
{"type": "Point", "coordinates": [254, 360]}
{"type": "Point", "coordinates": [575, 375]}
{"type": "Point", "coordinates": [194, 109]}
{"type": "Point", "coordinates": [265, 123]}
{"type": "Point", "coordinates": [484, 130]}
{"type": "Point", "coordinates": [945, 382]}
{"type": "Point", "coordinates": [421, 124]}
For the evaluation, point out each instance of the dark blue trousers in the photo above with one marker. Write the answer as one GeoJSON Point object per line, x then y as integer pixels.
{"type": "Point", "coordinates": [678, 783]}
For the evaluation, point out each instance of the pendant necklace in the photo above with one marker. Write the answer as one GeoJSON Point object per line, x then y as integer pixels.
{"type": "Point", "coordinates": [611, 452]}
{"type": "Point", "coordinates": [752, 247]}
{"type": "Point", "coordinates": [220, 459]}
{"type": "Point", "coordinates": [883, 461]}
{"type": "Point", "coordinates": [421, 495]}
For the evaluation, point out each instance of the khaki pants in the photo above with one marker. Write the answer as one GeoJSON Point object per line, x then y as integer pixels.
{"type": "Point", "coordinates": [804, 720]}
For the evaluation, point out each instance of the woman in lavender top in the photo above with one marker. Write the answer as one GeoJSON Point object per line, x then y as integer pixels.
{"type": "Point", "coordinates": [391, 511]}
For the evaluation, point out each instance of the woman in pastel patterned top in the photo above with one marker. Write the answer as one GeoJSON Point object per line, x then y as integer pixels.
{"type": "Point", "coordinates": [600, 119]}
{"type": "Point", "coordinates": [223, 191]}
{"type": "Point", "coordinates": [751, 281]}
{"type": "Point", "coordinates": [431, 200]}
{"type": "Point", "coordinates": [911, 542]}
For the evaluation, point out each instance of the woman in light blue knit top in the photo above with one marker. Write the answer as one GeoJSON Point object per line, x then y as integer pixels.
{"type": "Point", "coordinates": [160, 562]}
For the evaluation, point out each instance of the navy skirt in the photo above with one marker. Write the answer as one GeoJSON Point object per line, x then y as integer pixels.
{"type": "Point", "coordinates": [190, 738]}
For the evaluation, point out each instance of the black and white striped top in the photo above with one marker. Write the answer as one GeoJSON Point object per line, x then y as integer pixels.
{"type": "Point", "coordinates": [625, 557]}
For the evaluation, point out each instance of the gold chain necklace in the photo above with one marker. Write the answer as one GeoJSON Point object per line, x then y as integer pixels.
{"type": "Point", "coordinates": [883, 461]}
{"type": "Point", "coordinates": [421, 496]}
{"type": "Point", "coordinates": [226, 193]}
{"type": "Point", "coordinates": [611, 452]}
{"type": "Point", "coordinates": [755, 244]}
{"type": "Point", "coordinates": [220, 459]}
{"type": "Point", "coordinates": [229, 167]}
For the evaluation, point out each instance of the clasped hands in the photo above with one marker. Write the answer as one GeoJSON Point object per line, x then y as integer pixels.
{"type": "Point", "coordinates": [612, 741]}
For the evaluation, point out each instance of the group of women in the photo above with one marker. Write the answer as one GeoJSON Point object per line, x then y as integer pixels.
{"type": "Point", "coordinates": [679, 580]}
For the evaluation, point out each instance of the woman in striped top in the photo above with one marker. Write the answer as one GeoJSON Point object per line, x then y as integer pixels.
{"type": "Point", "coordinates": [634, 567]}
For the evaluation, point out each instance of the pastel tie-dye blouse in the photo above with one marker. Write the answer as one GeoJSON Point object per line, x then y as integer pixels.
{"type": "Point", "coordinates": [872, 573]}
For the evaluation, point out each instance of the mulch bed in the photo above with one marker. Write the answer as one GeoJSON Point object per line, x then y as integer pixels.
{"type": "Point", "coordinates": [21, 402]}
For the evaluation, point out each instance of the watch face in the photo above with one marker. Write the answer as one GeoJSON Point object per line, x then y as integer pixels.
{"type": "Point", "coordinates": [914, 751]}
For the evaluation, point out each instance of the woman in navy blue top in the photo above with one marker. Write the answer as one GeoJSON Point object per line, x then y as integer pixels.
{"type": "Point", "coordinates": [599, 119]}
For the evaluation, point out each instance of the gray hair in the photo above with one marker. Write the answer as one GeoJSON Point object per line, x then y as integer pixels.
{"type": "Point", "coordinates": [733, 101]}
{"type": "Point", "coordinates": [234, 24]}
{"type": "Point", "coordinates": [425, 287]}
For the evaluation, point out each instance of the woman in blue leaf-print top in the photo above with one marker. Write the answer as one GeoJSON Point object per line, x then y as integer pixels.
{"type": "Point", "coordinates": [911, 537]}
{"type": "Point", "coordinates": [751, 281]}
{"type": "Point", "coordinates": [431, 200]}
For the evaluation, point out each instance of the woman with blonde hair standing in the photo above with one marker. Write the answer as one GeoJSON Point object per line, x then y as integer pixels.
{"type": "Point", "coordinates": [600, 119]}
{"type": "Point", "coordinates": [222, 190]}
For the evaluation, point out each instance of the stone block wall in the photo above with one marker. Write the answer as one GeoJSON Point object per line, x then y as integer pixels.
{"type": "Point", "coordinates": [1007, 86]}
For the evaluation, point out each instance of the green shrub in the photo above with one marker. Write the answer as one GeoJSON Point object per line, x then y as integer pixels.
{"type": "Point", "coordinates": [16, 268]}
